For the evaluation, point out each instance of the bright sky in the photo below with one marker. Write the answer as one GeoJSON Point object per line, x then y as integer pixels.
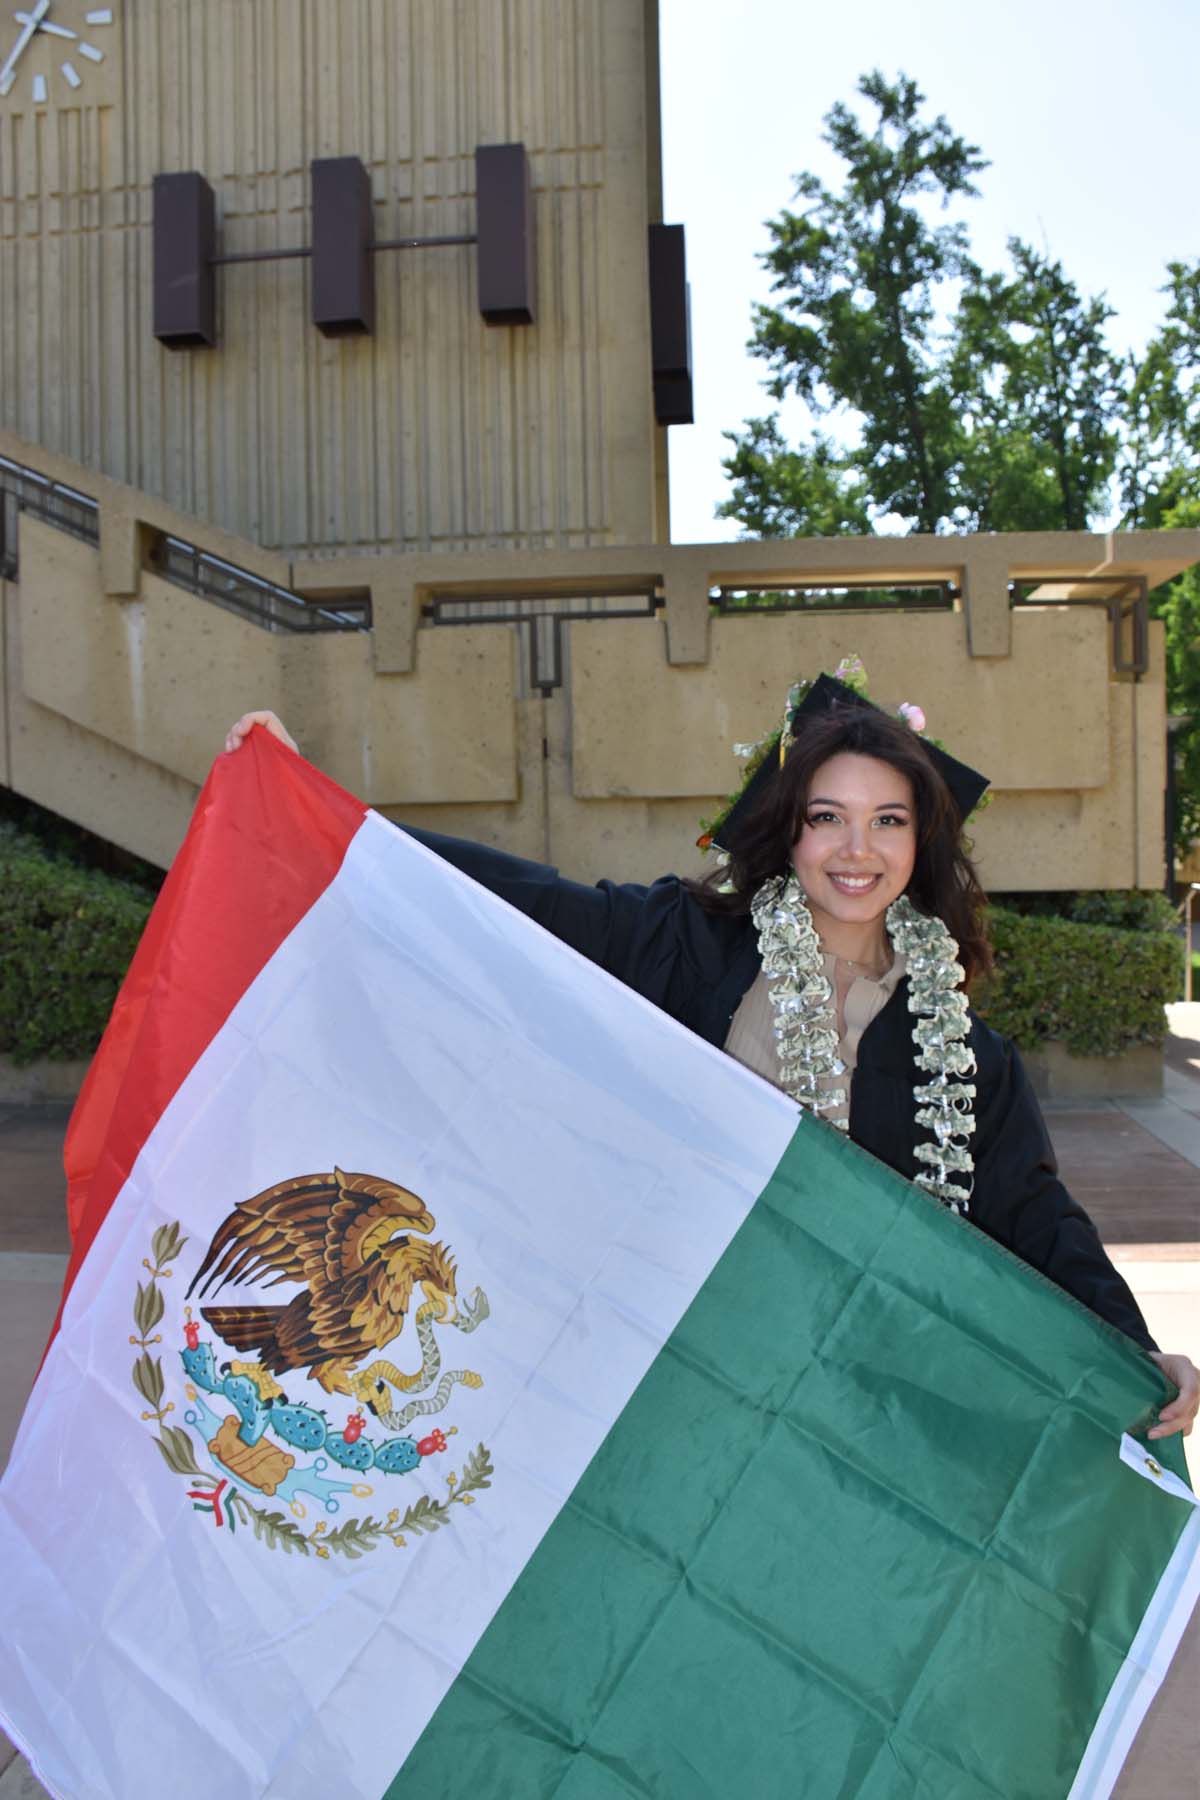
{"type": "Point", "coordinates": [1086, 108]}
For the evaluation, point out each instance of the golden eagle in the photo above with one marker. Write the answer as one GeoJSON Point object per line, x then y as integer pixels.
{"type": "Point", "coordinates": [351, 1238]}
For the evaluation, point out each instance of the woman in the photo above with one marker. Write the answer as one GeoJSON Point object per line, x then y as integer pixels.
{"type": "Point", "coordinates": [846, 908]}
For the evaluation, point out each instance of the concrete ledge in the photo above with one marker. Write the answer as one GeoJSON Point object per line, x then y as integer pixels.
{"type": "Point", "coordinates": [38, 1082]}
{"type": "Point", "coordinates": [1058, 1075]}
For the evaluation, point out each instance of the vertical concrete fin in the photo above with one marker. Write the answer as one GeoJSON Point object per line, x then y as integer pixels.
{"type": "Point", "coordinates": [985, 597]}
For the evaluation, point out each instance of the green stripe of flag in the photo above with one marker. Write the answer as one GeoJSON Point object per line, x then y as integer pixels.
{"type": "Point", "coordinates": [861, 1531]}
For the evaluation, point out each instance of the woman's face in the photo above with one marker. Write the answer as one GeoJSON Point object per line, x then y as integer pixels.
{"type": "Point", "coordinates": [858, 843]}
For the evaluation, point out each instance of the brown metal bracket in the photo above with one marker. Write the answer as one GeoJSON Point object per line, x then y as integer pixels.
{"type": "Point", "coordinates": [186, 257]}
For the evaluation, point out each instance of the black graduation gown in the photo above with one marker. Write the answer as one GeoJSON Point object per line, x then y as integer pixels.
{"type": "Point", "coordinates": [697, 965]}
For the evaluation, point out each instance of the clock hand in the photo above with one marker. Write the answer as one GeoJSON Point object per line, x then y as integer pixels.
{"type": "Point", "coordinates": [33, 20]}
{"type": "Point", "coordinates": [46, 25]}
{"type": "Point", "coordinates": [6, 73]}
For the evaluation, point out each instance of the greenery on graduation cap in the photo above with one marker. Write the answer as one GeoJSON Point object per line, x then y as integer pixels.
{"type": "Point", "coordinates": [943, 397]}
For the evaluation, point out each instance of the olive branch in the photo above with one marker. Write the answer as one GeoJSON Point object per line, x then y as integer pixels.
{"type": "Point", "coordinates": [175, 1444]}
{"type": "Point", "coordinates": [428, 1514]}
{"type": "Point", "coordinates": [166, 1245]}
{"type": "Point", "coordinates": [357, 1536]}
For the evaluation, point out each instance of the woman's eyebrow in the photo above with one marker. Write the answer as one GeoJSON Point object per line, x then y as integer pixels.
{"type": "Point", "coordinates": [887, 806]}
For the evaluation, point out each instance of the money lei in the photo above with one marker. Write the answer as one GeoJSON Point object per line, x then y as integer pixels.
{"type": "Point", "coordinates": [806, 1027]}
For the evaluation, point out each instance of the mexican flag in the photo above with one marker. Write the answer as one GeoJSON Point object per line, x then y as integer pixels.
{"type": "Point", "coordinates": [471, 1383]}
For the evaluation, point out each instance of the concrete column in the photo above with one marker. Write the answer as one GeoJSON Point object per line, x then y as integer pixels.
{"type": "Point", "coordinates": [685, 585]}
{"type": "Point", "coordinates": [395, 601]}
{"type": "Point", "coordinates": [985, 597]}
{"type": "Point", "coordinates": [122, 549]}
{"type": "Point", "coordinates": [395, 614]}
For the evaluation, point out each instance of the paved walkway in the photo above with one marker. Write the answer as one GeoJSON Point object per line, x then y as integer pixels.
{"type": "Point", "coordinates": [1135, 1165]}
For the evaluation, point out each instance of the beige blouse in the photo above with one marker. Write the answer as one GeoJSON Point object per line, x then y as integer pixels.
{"type": "Point", "coordinates": [751, 1038]}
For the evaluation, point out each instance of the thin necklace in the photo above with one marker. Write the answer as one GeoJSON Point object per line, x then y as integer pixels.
{"type": "Point", "coordinates": [871, 970]}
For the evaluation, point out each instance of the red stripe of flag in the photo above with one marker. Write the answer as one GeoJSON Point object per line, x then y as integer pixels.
{"type": "Point", "coordinates": [266, 839]}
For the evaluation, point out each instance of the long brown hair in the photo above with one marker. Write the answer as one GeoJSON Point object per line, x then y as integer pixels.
{"type": "Point", "coordinates": [943, 882]}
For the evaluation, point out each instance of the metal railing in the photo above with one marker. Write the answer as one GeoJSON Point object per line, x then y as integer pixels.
{"type": "Point", "coordinates": [24, 490]}
{"type": "Point", "coordinates": [185, 565]}
{"type": "Point", "coordinates": [862, 596]}
{"type": "Point", "coordinates": [249, 596]}
{"type": "Point", "coordinates": [1125, 598]}
{"type": "Point", "coordinates": [540, 618]}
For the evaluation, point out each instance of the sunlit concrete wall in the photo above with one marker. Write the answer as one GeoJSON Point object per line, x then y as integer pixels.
{"type": "Point", "coordinates": [436, 431]}
{"type": "Point", "coordinates": [113, 708]}
{"type": "Point", "coordinates": [1075, 757]}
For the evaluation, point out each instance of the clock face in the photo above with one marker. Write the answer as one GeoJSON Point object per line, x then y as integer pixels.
{"type": "Point", "coordinates": [52, 50]}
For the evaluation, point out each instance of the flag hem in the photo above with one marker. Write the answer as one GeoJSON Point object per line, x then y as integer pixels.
{"type": "Point", "coordinates": [1141, 1674]}
{"type": "Point", "coordinates": [135, 1072]}
{"type": "Point", "coordinates": [14, 1738]}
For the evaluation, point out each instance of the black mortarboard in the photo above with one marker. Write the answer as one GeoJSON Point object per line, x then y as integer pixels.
{"type": "Point", "coordinates": [967, 786]}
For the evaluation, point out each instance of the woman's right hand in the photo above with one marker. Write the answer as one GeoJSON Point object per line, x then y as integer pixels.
{"type": "Point", "coordinates": [269, 720]}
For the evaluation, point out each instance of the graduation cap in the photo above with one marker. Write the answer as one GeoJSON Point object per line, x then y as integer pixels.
{"type": "Point", "coordinates": [826, 695]}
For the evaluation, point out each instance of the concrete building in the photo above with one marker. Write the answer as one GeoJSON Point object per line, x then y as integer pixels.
{"type": "Point", "coordinates": [338, 351]}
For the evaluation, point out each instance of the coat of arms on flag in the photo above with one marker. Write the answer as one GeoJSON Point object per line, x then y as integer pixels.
{"type": "Point", "coordinates": [363, 1248]}
{"type": "Point", "coordinates": [737, 1462]}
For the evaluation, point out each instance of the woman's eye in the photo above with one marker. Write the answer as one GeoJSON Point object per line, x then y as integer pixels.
{"type": "Point", "coordinates": [823, 818]}
{"type": "Point", "coordinates": [891, 819]}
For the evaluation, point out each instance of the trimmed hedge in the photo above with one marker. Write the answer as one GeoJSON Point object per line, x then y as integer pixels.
{"type": "Point", "coordinates": [1098, 989]}
{"type": "Point", "coordinates": [68, 936]}
{"type": "Point", "coordinates": [1129, 909]}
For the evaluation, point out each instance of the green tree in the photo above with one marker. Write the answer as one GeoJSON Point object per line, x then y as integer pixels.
{"type": "Point", "coordinates": [1160, 487]}
{"type": "Point", "coordinates": [966, 400]}
{"type": "Point", "coordinates": [1002, 419]}
{"type": "Point", "coordinates": [781, 492]}
{"type": "Point", "coordinates": [856, 330]}
{"type": "Point", "coordinates": [1160, 451]}
{"type": "Point", "coordinates": [1039, 393]}
{"type": "Point", "coordinates": [1178, 605]}
{"type": "Point", "coordinates": [1143, 459]}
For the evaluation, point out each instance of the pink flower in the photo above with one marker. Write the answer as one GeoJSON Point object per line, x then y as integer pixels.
{"type": "Point", "coordinates": [912, 715]}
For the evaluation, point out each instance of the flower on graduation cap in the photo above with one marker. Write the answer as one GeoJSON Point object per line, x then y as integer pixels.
{"type": "Point", "coordinates": [852, 673]}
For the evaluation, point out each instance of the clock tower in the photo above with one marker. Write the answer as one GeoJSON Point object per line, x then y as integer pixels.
{"type": "Point", "coordinates": [442, 416]}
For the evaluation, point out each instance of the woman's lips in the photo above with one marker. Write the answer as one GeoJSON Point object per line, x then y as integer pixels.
{"type": "Point", "coordinates": [854, 884]}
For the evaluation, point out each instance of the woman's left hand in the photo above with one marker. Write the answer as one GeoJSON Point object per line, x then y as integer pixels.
{"type": "Point", "coordinates": [1178, 1416]}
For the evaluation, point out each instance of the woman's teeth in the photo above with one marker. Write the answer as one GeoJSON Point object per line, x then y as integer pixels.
{"type": "Point", "coordinates": [854, 884]}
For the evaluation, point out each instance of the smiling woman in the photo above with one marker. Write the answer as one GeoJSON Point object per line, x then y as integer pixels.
{"type": "Point", "coordinates": [862, 822]}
